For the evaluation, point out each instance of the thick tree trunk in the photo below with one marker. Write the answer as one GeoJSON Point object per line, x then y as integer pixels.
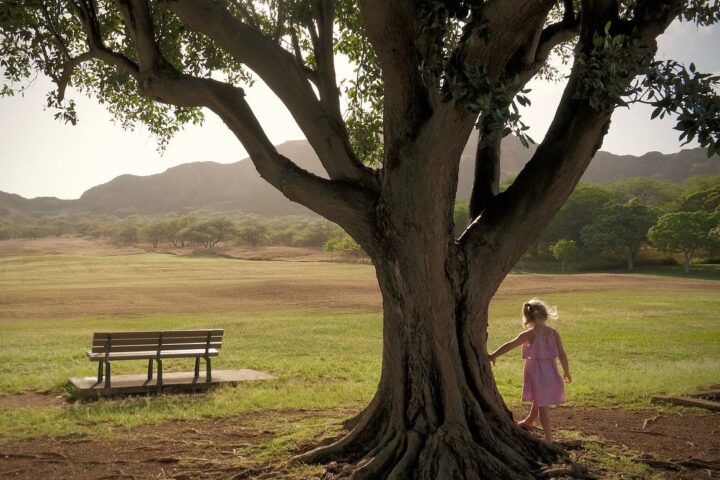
{"type": "Point", "coordinates": [437, 413]}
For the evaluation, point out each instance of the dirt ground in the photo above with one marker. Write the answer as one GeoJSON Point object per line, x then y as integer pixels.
{"type": "Point", "coordinates": [221, 448]}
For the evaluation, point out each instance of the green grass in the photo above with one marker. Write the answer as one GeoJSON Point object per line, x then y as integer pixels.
{"type": "Point", "coordinates": [704, 271]}
{"type": "Point", "coordinates": [701, 271]}
{"type": "Point", "coordinates": [622, 347]}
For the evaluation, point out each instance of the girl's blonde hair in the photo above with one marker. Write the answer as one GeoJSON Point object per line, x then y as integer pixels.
{"type": "Point", "coordinates": [536, 309]}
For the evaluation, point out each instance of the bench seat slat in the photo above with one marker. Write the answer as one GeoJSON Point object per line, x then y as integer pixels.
{"type": "Point", "coordinates": [144, 355]}
{"type": "Point", "coordinates": [154, 347]}
{"type": "Point", "coordinates": [192, 346]}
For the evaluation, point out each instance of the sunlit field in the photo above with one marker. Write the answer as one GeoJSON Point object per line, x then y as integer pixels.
{"type": "Point", "coordinates": [317, 327]}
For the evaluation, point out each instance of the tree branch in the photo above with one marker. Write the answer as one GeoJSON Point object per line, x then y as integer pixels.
{"type": "Point", "coordinates": [56, 34]}
{"type": "Point", "coordinates": [325, 59]}
{"type": "Point", "coordinates": [526, 63]}
{"type": "Point", "coordinates": [554, 35]}
{"type": "Point", "coordinates": [87, 14]}
{"type": "Point", "coordinates": [68, 71]}
{"type": "Point", "coordinates": [527, 206]}
{"type": "Point", "coordinates": [390, 29]}
{"type": "Point", "coordinates": [345, 203]}
{"type": "Point", "coordinates": [486, 183]}
{"type": "Point", "coordinates": [138, 19]}
{"type": "Point", "coordinates": [506, 24]}
{"type": "Point", "coordinates": [288, 80]}
{"type": "Point", "coordinates": [521, 212]}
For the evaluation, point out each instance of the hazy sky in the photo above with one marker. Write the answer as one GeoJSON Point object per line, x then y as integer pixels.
{"type": "Point", "coordinates": [43, 157]}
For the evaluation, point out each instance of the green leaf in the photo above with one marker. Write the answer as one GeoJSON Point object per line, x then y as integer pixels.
{"type": "Point", "coordinates": [597, 40]}
{"type": "Point", "coordinates": [607, 27]}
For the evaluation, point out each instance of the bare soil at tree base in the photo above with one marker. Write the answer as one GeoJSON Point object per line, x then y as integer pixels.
{"type": "Point", "coordinates": [218, 448]}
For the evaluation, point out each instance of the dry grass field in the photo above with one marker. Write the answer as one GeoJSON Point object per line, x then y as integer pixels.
{"type": "Point", "coordinates": [69, 277]}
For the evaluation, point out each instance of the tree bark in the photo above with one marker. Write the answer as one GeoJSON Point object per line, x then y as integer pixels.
{"type": "Point", "coordinates": [486, 183]}
{"type": "Point", "coordinates": [435, 414]}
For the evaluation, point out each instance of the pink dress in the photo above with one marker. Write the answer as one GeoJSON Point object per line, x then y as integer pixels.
{"type": "Point", "coordinates": [542, 382]}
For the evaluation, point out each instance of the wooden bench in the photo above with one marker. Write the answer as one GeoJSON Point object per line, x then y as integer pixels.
{"type": "Point", "coordinates": [155, 346]}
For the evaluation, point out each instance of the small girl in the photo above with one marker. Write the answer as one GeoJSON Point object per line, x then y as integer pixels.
{"type": "Point", "coordinates": [541, 344]}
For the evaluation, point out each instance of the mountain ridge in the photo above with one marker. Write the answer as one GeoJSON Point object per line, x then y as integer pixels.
{"type": "Point", "coordinates": [237, 186]}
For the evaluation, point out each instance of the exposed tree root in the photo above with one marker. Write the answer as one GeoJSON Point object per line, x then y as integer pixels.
{"type": "Point", "coordinates": [453, 450]}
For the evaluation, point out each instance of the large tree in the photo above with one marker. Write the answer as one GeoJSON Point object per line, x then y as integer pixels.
{"type": "Point", "coordinates": [620, 226]}
{"type": "Point", "coordinates": [428, 72]}
{"type": "Point", "coordinates": [686, 232]}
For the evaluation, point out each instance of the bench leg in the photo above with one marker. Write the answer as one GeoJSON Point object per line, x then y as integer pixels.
{"type": "Point", "coordinates": [197, 367]}
{"type": "Point", "coordinates": [208, 370]}
{"type": "Point", "coordinates": [150, 369]}
{"type": "Point", "coordinates": [100, 371]}
{"type": "Point", "coordinates": [159, 379]}
{"type": "Point", "coordinates": [107, 375]}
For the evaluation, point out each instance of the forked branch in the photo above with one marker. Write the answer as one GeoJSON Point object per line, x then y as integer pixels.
{"type": "Point", "coordinates": [282, 72]}
{"type": "Point", "coordinates": [557, 165]}
{"type": "Point", "coordinates": [343, 202]}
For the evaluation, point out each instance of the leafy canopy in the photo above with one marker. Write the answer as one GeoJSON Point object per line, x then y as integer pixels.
{"type": "Point", "coordinates": [619, 226]}
{"type": "Point", "coordinates": [683, 231]}
{"type": "Point", "coordinates": [52, 38]}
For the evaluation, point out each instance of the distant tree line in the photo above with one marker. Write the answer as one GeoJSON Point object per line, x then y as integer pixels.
{"type": "Point", "coordinates": [605, 223]}
{"type": "Point", "coordinates": [599, 223]}
{"type": "Point", "coordinates": [194, 230]}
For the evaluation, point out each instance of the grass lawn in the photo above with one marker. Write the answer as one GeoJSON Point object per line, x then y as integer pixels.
{"type": "Point", "coordinates": [317, 327]}
{"type": "Point", "coordinates": [702, 271]}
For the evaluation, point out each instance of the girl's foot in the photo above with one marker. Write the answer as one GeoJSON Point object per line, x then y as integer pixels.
{"type": "Point", "coordinates": [525, 426]}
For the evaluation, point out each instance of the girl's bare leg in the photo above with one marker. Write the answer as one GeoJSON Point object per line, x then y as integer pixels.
{"type": "Point", "coordinates": [545, 422]}
{"type": "Point", "coordinates": [528, 421]}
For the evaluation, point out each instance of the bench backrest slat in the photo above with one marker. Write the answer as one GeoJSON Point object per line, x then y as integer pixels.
{"type": "Point", "coordinates": [124, 335]}
{"type": "Point", "coordinates": [192, 333]}
{"type": "Point", "coordinates": [157, 341]}
{"type": "Point", "coordinates": [128, 341]}
{"type": "Point", "coordinates": [197, 339]}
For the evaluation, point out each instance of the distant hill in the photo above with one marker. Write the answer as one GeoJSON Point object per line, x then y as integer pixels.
{"type": "Point", "coordinates": [237, 186]}
{"type": "Point", "coordinates": [200, 185]}
{"type": "Point", "coordinates": [12, 204]}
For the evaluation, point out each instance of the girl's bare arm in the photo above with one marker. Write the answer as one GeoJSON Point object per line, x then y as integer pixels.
{"type": "Point", "coordinates": [563, 358]}
{"type": "Point", "coordinates": [514, 343]}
